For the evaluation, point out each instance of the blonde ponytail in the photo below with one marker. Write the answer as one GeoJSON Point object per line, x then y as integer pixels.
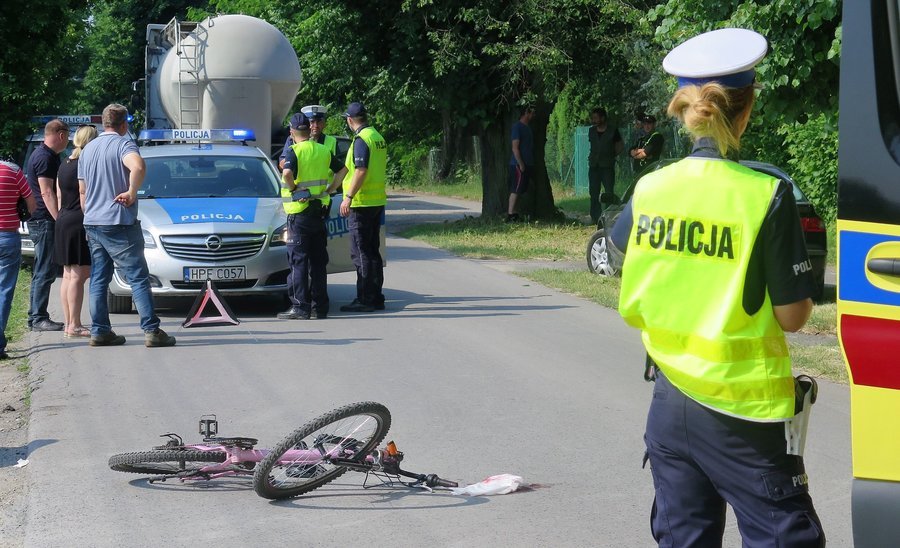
{"type": "Point", "coordinates": [714, 111]}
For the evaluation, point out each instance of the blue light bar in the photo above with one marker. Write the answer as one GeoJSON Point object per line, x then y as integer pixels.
{"type": "Point", "coordinates": [207, 135]}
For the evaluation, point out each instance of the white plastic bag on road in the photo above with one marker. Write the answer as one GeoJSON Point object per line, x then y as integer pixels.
{"type": "Point", "coordinates": [493, 485]}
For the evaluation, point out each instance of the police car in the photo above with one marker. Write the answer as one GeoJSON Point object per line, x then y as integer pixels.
{"type": "Point", "coordinates": [814, 234]}
{"type": "Point", "coordinates": [210, 208]}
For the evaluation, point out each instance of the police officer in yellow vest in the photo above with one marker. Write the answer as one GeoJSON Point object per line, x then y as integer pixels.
{"type": "Point", "coordinates": [316, 115]}
{"type": "Point", "coordinates": [714, 274]}
{"type": "Point", "coordinates": [307, 170]}
{"type": "Point", "coordinates": [364, 199]}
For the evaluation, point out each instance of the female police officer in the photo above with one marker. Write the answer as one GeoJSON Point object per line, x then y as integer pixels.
{"type": "Point", "coordinates": [713, 276]}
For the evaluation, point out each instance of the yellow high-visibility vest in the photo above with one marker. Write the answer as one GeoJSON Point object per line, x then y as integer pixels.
{"type": "Point", "coordinates": [695, 223]}
{"type": "Point", "coordinates": [313, 172]}
{"type": "Point", "coordinates": [372, 192]}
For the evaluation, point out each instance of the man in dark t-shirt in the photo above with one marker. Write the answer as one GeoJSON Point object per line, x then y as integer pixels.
{"type": "Point", "coordinates": [521, 162]}
{"type": "Point", "coordinates": [605, 144]}
{"type": "Point", "coordinates": [43, 166]}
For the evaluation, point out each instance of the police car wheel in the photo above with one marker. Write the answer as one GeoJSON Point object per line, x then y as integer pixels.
{"type": "Point", "coordinates": [597, 255]}
{"type": "Point", "coordinates": [118, 304]}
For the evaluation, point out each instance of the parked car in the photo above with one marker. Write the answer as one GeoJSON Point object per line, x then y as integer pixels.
{"type": "Point", "coordinates": [600, 262]}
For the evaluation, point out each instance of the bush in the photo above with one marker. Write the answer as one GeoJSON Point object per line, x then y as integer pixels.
{"type": "Point", "coordinates": [813, 147]}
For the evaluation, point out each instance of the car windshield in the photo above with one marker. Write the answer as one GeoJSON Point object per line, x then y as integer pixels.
{"type": "Point", "coordinates": [209, 177]}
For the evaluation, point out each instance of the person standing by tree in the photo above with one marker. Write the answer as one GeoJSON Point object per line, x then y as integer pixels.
{"type": "Point", "coordinates": [364, 199]}
{"type": "Point", "coordinates": [308, 167]}
{"type": "Point", "coordinates": [521, 162]}
{"type": "Point", "coordinates": [71, 249]}
{"type": "Point", "coordinates": [715, 272]}
{"type": "Point", "coordinates": [42, 169]}
{"type": "Point", "coordinates": [110, 172]}
{"type": "Point", "coordinates": [605, 144]}
{"type": "Point", "coordinates": [13, 186]}
{"type": "Point", "coordinates": [648, 147]}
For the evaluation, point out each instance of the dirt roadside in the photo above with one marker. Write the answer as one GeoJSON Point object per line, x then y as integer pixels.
{"type": "Point", "coordinates": [13, 446]}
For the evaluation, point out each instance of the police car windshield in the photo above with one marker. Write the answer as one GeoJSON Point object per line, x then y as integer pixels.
{"type": "Point", "coordinates": [208, 177]}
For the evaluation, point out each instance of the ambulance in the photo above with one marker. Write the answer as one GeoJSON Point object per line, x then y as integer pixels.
{"type": "Point", "coordinates": [868, 264]}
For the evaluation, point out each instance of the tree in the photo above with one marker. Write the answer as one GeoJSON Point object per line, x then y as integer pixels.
{"type": "Point", "coordinates": [38, 61]}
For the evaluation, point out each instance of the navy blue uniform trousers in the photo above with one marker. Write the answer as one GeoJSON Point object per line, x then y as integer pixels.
{"type": "Point", "coordinates": [365, 241]}
{"type": "Point", "coordinates": [702, 459]}
{"type": "Point", "coordinates": [308, 258]}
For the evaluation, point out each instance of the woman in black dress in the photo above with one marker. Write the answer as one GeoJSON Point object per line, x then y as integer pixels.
{"type": "Point", "coordinates": [71, 249]}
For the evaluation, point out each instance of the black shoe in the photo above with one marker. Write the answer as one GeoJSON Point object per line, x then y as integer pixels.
{"type": "Point", "coordinates": [293, 313]}
{"type": "Point", "coordinates": [379, 306]}
{"type": "Point", "coordinates": [107, 339]}
{"type": "Point", "coordinates": [316, 315]}
{"type": "Point", "coordinates": [47, 325]}
{"type": "Point", "coordinates": [158, 338]}
{"type": "Point", "coordinates": [4, 355]}
{"type": "Point", "coordinates": [357, 306]}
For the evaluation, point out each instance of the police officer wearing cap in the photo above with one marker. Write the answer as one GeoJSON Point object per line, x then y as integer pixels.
{"type": "Point", "coordinates": [713, 276]}
{"type": "Point", "coordinates": [307, 170]}
{"type": "Point", "coordinates": [647, 146]}
{"type": "Point", "coordinates": [316, 115]}
{"type": "Point", "coordinates": [365, 196]}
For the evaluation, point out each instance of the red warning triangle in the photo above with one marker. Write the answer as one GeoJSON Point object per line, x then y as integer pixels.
{"type": "Point", "coordinates": [210, 295]}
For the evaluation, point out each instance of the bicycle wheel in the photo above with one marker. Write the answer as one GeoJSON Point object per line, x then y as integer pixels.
{"type": "Point", "coordinates": [353, 430]}
{"type": "Point", "coordinates": [167, 462]}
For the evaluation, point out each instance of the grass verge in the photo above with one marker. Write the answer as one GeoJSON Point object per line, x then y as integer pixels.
{"type": "Point", "coordinates": [17, 326]}
{"type": "Point", "coordinates": [492, 239]}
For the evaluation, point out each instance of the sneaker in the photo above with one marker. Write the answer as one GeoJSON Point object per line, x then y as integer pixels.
{"type": "Point", "coordinates": [158, 338]}
{"type": "Point", "coordinates": [357, 306]}
{"type": "Point", "coordinates": [319, 315]}
{"type": "Point", "coordinates": [4, 355]}
{"type": "Point", "coordinates": [47, 325]}
{"type": "Point", "coordinates": [293, 313]}
{"type": "Point", "coordinates": [107, 339]}
{"type": "Point", "coordinates": [378, 306]}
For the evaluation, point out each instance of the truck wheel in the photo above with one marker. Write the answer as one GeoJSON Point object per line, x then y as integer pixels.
{"type": "Point", "coordinates": [598, 255]}
{"type": "Point", "coordinates": [118, 304]}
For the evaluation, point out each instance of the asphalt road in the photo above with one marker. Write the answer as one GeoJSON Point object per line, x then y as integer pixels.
{"type": "Point", "coordinates": [484, 373]}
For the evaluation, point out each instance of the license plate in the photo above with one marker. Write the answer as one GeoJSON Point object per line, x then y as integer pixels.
{"type": "Point", "coordinates": [203, 273]}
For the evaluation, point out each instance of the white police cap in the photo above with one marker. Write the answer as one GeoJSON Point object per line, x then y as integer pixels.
{"type": "Point", "coordinates": [726, 56]}
{"type": "Point", "coordinates": [314, 111]}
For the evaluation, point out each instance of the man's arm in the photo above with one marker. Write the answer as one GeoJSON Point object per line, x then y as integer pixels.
{"type": "Point", "coordinates": [517, 154]}
{"type": "Point", "coordinates": [82, 189]}
{"type": "Point", "coordinates": [356, 182]}
{"type": "Point", "coordinates": [137, 169]}
{"type": "Point", "coordinates": [337, 181]}
{"type": "Point", "coordinates": [48, 193]}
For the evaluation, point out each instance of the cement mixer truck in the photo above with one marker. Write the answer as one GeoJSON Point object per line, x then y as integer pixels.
{"type": "Point", "coordinates": [229, 71]}
{"type": "Point", "coordinates": [210, 205]}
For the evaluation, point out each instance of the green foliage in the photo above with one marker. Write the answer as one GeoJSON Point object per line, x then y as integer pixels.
{"type": "Point", "coordinates": [813, 148]}
{"type": "Point", "coordinates": [38, 60]}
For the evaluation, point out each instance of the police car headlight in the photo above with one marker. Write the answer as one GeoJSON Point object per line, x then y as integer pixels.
{"type": "Point", "coordinates": [279, 236]}
{"type": "Point", "coordinates": [149, 242]}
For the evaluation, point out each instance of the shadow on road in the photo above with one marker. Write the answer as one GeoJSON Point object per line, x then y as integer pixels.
{"type": "Point", "coordinates": [10, 456]}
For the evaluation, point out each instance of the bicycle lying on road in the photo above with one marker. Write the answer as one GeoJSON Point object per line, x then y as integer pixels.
{"type": "Point", "coordinates": [313, 455]}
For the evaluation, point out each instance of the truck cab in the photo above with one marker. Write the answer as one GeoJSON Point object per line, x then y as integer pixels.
{"type": "Point", "coordinates": [868, 266]}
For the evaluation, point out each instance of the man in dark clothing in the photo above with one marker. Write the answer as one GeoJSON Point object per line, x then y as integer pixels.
{"type": "Point", "coordinates": [648, 147]}
{"type": "Point", "coordinates": [605, 144]}
{"type": "Point", "coordinates": [521, 162]}
{"type": "Point", "coordinates": [41, 173]}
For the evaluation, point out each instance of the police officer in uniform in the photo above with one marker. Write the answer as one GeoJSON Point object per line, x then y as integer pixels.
{"type": "Point", "coordinates": [715, 271]}
{"type": "Point", "coordinates": [647, 146]}
{"type": "Point", "coordinates": [316, 115]}
{"type": "Point", "coordinates": [364, 199]}
{"type": "Point", "coordinates": [307, 169]}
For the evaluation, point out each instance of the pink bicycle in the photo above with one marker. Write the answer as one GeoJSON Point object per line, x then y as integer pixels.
{"type": "Point", "coordinates": [308, 458]}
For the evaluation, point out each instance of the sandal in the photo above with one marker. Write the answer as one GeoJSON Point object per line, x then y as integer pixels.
{"type": "Point", "coordinates": [78, 333]}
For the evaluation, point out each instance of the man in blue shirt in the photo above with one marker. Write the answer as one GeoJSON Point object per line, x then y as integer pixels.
{"type": "Point", "coordinates": [521, 163]}
{"type": "Point", "coordinates": [110, 172]}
